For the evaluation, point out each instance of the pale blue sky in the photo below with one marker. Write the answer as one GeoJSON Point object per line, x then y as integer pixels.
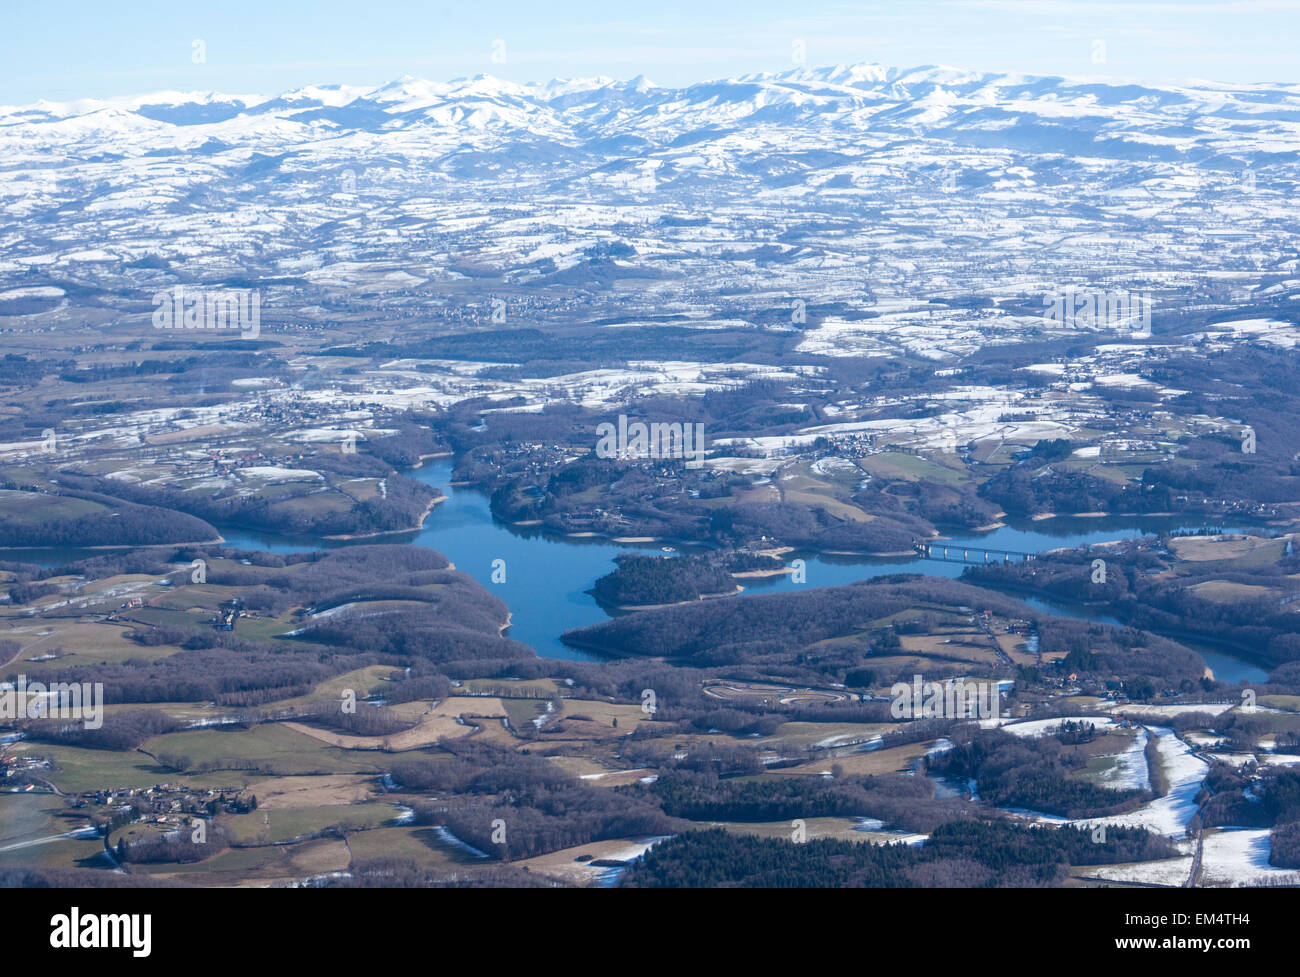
{"type": "Point", "coordinates": [62, 49]}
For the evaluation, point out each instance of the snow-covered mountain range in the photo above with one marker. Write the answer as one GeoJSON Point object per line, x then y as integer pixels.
{"type": "Point", "coordinates": [850, 185]}
{"type": "Point", "coordinates": [1126, 120]}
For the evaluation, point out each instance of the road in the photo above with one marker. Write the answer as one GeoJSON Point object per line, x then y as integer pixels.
{"type": "Point", "coordinates": [1200, 832]}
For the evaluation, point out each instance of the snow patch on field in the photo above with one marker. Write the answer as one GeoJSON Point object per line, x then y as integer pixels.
{"type": "Point", "coordinates": [1171, 872]}
{"type": "Point", "coordinates": [1130, 770]}
{"type": "Point", "coordinates": [1044, 727]}
{"type": "Point", "coordinates": [1273, 332]}
{"type": "Point", "coordinates": [1234, 759]}
{"type": "Point", "coordinates": [849, 739]}
{"type": "Point", "coordinates": [828, 466]}
{"type": "Point", "coordinates": [1213, 708]}
{"type": "Point", "coordinates": [745, 466]}
{"type": "Point", "coordinates": [1279, 759]}
{"type": "Point", "coordinates": [272, 474]}
{"type": "Point", "coordinates": [333, 611]}
{"type": "Point", "coordinates": [450, 839]}
{"type": "Point", "coordinates": [880, 835]}
{"type": "Point", "coordinates": [32, 292]}
{"type": "Point", "coordinates": [1238, 857]}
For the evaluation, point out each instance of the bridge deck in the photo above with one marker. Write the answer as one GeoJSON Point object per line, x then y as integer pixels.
{"type": "Point", "coordinates": [973, 555]}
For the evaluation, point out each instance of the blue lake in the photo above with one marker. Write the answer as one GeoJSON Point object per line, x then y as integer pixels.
{"type": "Point", "coordinates": [547, 576]}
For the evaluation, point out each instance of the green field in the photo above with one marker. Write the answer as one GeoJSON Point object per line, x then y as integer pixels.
{"type": "Point", "coordinates": [272, 746]}
{"type": "Point", "coordinates": [35, 508]}
{"type": "Point", "coordinates": [24, 816]}
{"type": "Point", "coordinates": [368, 681]}
{"type": "Point", "coordinates": [418, 844]}
{"type": "Point", "coordinates": [236, 862]}
{"type": "Point", "coordinates": [542, 687]}
{"type": "Point", "coordinates": [77, 769]}
{"type": "Point", "coordinates": [286, 824]}
{"type": "Point", "coordinates": [522, 712]}
{"type": "Point", "coordinates": [891, 465]}
{"type": "Point", "coordinates": [64, 853]}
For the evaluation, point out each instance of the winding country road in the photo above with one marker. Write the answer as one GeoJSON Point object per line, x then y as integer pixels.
{"type": "Point", "coordinates": [1200, 832]}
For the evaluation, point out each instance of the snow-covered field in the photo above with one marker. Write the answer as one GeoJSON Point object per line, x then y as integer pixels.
{"type": "Point", "coordinates": [1130, 769]}
{"type": "Point", "coordinates": [878, 834]}
{"type": "Point", "coordinates": [1140, 709]}
{"type": "Point", "coordinates": [1171, 872]}
{"type": "Point", "coordinates": [1043, 727]}
{"type": "Point", "coordinates": [1279, 759]}
{"type": "Point", "coordinates": [1239, 856]}
{"type": "Point", "coordinates": [1185, 772]}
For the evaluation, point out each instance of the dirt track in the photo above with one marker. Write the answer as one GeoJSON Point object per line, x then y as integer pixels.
{"type": "Point", "coordinates": [783, 694]}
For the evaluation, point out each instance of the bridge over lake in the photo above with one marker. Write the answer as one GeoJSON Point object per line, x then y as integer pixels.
{"type": "Point", "coordinates": [965, 553]}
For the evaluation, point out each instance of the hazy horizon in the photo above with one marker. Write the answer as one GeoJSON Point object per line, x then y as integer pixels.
{"type": "Point", "coordinates": [76, 50]}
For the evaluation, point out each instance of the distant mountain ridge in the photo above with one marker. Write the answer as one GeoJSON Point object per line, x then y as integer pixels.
{"type": "Point", "coordinates": [848, 183]}
{"type": "Point", "coordinates": [865, 96]}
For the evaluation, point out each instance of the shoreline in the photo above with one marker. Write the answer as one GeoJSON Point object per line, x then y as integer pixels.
{"type": "Point", "coordinates": [1106, 515]}
{"type": "Point", "coordinates": [678, 603]}
{"type": "Point", "coordinates": [1234, 650]}
{"type": "Point", "coordinates": [593, 648]}
{"type": "Point", "coordinates": [392, 532]}
{"type": "Point", "coordinates": [120, 546]}
{"type": "Point", "coordinates": [424, 458]}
